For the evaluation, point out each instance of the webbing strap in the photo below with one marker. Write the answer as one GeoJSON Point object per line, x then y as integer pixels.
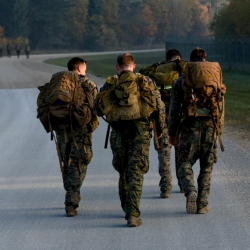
{"type": "Point", "coordinates": [219, 137]}
{"type": "Point", "coordinates": [57, 147]}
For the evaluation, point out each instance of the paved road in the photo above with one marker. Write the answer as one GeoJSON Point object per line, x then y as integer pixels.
{"type": "Point", "coordinates": [32, 195]}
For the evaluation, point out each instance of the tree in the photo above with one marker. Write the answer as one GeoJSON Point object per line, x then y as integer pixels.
{"type": "Point", "coordinates": [48, 23]}
{"type": "Point", "coordinates": [233, 20]}
{"type": "Point", "coordinates": [77, 22]}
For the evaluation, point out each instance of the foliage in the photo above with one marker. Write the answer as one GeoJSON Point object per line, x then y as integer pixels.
{"type": "Point", "coordinates": [110, 24]}
{"type": "Point", "coordinates": [233, 20]}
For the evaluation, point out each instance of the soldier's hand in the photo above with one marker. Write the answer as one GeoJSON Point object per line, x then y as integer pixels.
{"type": "Point", "coordinates": [159, 135]}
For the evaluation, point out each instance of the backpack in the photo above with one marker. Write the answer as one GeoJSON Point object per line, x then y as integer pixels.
{"type": "Point", "coordinates": [165, 73]}
{"type": "Point", "coordinates": [127, 97]}
{"type": "Point", "coordinates": [150, 70]}
{"type": "Point", "coordinates": [64, 100]}
{"type": "Point", "coordinates": [204, 92]}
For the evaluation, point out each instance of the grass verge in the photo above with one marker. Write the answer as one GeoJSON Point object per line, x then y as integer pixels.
{"type": "Point", "coordinates": [237, 98]}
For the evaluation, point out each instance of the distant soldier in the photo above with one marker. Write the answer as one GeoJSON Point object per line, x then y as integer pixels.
{"type": "Point", "coordinates": [1, 50]}
{"type": "Point", "coordinates": [27, 51]}
{"type": "Point", "coordinates": [18, 50]}
{"type": "Point", "coordinates": [8, 49]}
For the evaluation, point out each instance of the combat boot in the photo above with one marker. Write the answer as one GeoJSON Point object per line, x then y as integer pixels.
{"type": "Point", "coordinates": [191, 205]}
{"type": "Point", "coordinates": [203, 210]}
{"type": "Point", "coordinates": [165, 194]}
{"type": "Point", "coordinates": [134, 221]}
{"type": "Point", "coordinates": [70, 211]}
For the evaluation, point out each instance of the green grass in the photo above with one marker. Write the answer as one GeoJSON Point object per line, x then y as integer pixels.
{"type": "Point", "coordinates": [104, 65]}
{"type": "Point", "coordinates": [237, 98]}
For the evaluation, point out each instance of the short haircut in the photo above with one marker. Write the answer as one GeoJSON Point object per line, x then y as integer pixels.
{"type": "Point", "coordinates": [171, 53]}
{"type": "Point", "coordinates": [74, 62]}
{"type": "Point", "coordinates": [198, 54]}
{"type": "Point", "coordinates": [125, 59]}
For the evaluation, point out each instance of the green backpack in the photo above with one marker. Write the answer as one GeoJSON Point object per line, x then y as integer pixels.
{"type": "Point", "coordinates": [129, 97]}
{"type": "Point", "coordinates": [64, 100]}
{"type": "Point", "coordinates": [165, 73]}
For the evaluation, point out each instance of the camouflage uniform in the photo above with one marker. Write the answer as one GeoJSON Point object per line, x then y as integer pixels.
{"type": "Point", "coordinates": [76, 151]}
{"type": "Point", "coordinates": [131, 155]}
{"type": "Point", "coordinates": [164, 167]}
{"type": "Point", "coordinates": [164, 151]}
{"type": "Point", "coordinates": [18, 50]}
{"type": "Point", "coordinates": [197, 141]}
{"type": "Point", "coordinates": [27, 51]}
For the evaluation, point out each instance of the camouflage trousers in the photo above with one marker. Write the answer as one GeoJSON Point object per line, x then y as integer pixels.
{"type": "Point", "coordinates": [131, 160]}
{"type": "Point", "coordinates": [197, 141]}
{"type": "Point", "coordinates": [164, 166]}
{"type": "Point", "coordinates": [76, 153]}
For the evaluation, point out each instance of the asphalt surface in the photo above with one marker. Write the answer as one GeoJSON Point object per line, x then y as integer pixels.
{"type": "Point", "coordinates": [31, 191]}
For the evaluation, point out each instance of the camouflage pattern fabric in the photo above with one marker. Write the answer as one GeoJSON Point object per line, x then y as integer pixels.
{"type": "Point", "coordinates": [197, 141]}
{"type": "Point", "coordinates": [164, 166]}
{"type": "Point", "coordinates": [130, 141]}
{"type": "Point", "coordinates": [75, 161]}
{"type": "Point", "coordinates": [131, 160]}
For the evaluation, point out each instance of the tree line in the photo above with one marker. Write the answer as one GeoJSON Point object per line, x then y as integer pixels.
{"type": "Point", "coordinates": [97, 25]}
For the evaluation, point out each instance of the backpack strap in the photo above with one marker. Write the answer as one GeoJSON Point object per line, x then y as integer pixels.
{"type": "Point", "coordinates": [57, 146]}
{"type": "Point", "coordinates": [216, 122]}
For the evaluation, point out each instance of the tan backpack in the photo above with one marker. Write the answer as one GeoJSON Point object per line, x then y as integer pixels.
{"type": "Point", "coordinates": [204, 92]}
{"type": "Point", "coordinates": [64, 100]}
{"type": "Point", "coordinates": [129, 97]}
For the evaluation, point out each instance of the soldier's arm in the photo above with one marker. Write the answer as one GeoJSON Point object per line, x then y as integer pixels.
{"type": "Point", "coordinates": [159, 116]}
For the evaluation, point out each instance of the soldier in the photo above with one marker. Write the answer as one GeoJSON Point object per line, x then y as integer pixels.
{"type": "Point", "coordinates": [65, 105]}
{"type": "Point", "coordinates": [130, 138]}
{"type": "Point", "coordinates": [8, 49]}
{"type": "Point", "coordinates": [18, 50]}
{"type": "Point", "coordinates": [27, 50]}
{"type": "Point", "coordinates": [172, 66]}
{"type": "Point", "coordinates": [200, 118]}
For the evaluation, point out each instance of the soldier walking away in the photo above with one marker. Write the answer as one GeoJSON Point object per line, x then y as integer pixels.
{"type": "Point", "coordinates": [73, 122]}
{"type": "Point", "coordinates": [1, 50]}
{"type": "Point", "coordinates": [165, 73]}
{"type": "Point", "coordinates": [197, 107]}
{"type": "Point", "coordinates": [131, 129]}
{"type": "Point", "coordinates": [8, 49]}
{"type": "Point", "coordinates": [18, 50]}
{"type": "Point", "coordinates": [27, 51]}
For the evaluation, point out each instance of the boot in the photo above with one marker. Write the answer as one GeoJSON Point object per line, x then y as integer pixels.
{"type": "Point", "coordinates": [191, 205]}
{"type": "Point", "coordinates": [134, 221]}
{"type": "Point", "coordinates": [70, 211]}
{"type": "Point", "coordinates": [203, 210]}
{"type": "Point", "coordinates": [165, 194]}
